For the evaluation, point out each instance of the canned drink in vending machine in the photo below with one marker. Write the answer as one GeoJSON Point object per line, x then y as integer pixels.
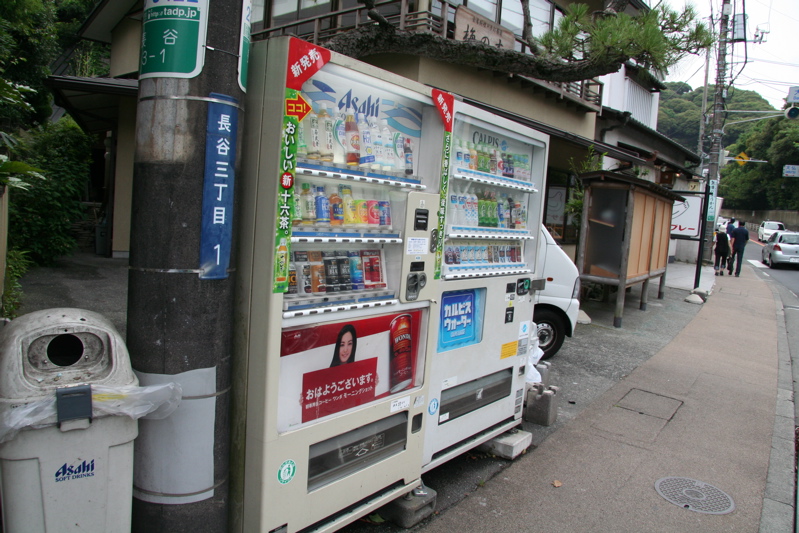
{"type": "Point", "coordinates": [373, 212]}
{"type": "Point", "coordinates": [361, 212]}
{"type": "Point", "coordinates": [385, 213]}
{"type": "Point", "coordinates": [400, 353]}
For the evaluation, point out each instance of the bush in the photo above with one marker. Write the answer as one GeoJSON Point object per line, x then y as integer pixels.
{"type": "Point", "coordinates": [41, 217]}
{"type": "Point", "coordinates": [17, 264]}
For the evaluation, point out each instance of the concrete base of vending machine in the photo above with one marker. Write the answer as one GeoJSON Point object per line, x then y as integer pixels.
{"type": "Point", "coordinates": [412, 508]}
{"type": "Point", "coordinates": [509, 445]}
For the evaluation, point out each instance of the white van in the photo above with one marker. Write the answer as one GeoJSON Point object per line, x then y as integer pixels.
{"type": "Point", "coordinates": [557, 306]}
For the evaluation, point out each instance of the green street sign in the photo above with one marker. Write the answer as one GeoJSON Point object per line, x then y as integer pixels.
{"type": "Point", "coordinates": [173, 38]}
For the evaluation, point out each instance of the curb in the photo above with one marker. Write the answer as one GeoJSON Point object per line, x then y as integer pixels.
{"type": "Point", "coordinates": [780, 500]}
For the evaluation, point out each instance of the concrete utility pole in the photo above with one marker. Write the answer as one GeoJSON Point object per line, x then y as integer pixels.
{"type": "Point", "coordinates": [180, 309]}
{"type": "Point", "coordinates": [716, 149]}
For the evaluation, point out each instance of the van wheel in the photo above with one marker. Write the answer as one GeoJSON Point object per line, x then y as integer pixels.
{"type": "Point", "coordinates": [551, 331]}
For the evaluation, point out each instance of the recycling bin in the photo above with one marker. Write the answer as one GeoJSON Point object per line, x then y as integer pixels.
{"type": "Point", "coordinates": [64, 465]}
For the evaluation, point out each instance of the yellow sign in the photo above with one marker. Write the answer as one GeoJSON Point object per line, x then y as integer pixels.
{"type": "Point", "coordinates": [508, 349]}
{"type": "Point", "coordinates": [742, 158]}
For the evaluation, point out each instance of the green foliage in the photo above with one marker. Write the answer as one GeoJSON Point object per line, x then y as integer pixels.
{"type": "Point", "coordinates": [591, 163]}
{"type": "Point", "coordinates": [17, 264]}
{"type": "Point", "coordinates": [761, 186]}
{"type": "Point", "coordinates": [680, 113]}
{"type": "Point", "coordinates": [655, 39]}
{"type": "Point", "coordinates": [32, 35]}
{"type": "Point", "coordinates": [41, 217]}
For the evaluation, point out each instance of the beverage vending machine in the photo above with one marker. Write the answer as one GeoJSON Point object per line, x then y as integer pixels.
{"type": "Point", "coordinates": [481, 324]}
{"type": "Point", "coordinates": [337, 258]}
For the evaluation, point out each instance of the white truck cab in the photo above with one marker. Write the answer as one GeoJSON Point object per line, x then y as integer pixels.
{"type": "Point", "coordinates": [557, 306]}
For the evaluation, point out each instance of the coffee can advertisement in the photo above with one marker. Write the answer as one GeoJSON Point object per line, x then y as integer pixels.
{"type": "Point", "coordinates": [401, 350]}
{"type": "Point", "coordinates": [333, 367]}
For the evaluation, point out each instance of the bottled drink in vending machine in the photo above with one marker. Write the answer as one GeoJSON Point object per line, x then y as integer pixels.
{"type": "Point", "coordinates": [327, 141]}
{"type": "Point", "coordinates": [492, 163]}
{"type": "Point", "coordinates": [501, 222]}
{"type": "Point", "coordinates": [452, 208]}
{"type": "Point", "coordinates": [377, 143]}
{"type": "Point", "coordinates": [511, 212]}
{"type": "Point", "coordinates": [296, 208]}
{"type": "Point", "coordinates": [350, 211]}
{"type": "Point", "coordinates": [408, 156]}
{"type": "Point", "coordinates": [481, 208]}
{"type": "Point", "coordinates": [307, 205]}
{"type": "Point", "coordinates": [322, 206]}
{"type": "Point", "coordinates": [353, 139]}
{"type": "Point", "coordinates": [302, 148]}
{"type": "Point", "coordinates": [389, 150]}
{"type": "Point", "coordinates": [492, 210]}
{"type": "Point", "coordinates": [367, 158]}
{"type": "Point", "coordinates": [473, 215]}
{"type": "Point", "coordinates": [339, 138]}
{"type": "Point", "coordinates": [281, 261]}
{"type": "Point", "coordinates": [312, 136]}
{"type": "Point", "coordinates": [336, 209]}
{"type": "Point", "coordinates": [459, 154]}
{"type": "Point", "coordinates": [472, 157]}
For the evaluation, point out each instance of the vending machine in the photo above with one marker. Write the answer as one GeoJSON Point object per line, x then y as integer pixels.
{"type": "Point", "coordinates": [338, 230]}
{"type": "Point", "coordinates": [491, 193]}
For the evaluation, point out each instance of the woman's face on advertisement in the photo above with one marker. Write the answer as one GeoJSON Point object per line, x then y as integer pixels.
{"type": "Point", "coordinates": [345, 347]}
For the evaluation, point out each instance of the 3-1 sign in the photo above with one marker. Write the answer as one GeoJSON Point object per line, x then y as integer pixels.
{"type": "Point", "coordinates": [173, 38]}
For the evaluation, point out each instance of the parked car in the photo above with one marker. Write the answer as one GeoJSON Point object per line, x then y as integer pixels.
{"type": "Point", "coordinates": [782, 248]}
{"type": "Point", "coordinates": [767, 227]}
{"type": "Point", "coordinates": [557, 306]}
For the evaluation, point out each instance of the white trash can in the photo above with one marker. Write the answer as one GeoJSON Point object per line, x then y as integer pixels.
{"type": "Point", "coordinates": [71, 468]}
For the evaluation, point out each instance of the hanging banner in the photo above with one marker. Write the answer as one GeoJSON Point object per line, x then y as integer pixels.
{"type": "Point", "coordinates": [445, 103]}
{"type": "Point", "coordinates": [216, 235]}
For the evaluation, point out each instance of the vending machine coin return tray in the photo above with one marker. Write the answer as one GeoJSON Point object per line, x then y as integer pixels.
{"type": "Point", "coordinates": [356, 450]}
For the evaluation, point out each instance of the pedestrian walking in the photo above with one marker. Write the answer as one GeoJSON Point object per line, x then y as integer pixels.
{"type": "Point", "coordinates": [739, 238]}
{"type": "Point", "coordinates": [722, 250]}
{"type": "Point", "coordinates": [730, 226]}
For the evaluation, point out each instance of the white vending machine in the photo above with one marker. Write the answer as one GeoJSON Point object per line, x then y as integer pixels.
{"type": "Point", "coordinates": [337, 259]}
{"type": "Point", "coordinates": [481, 328]}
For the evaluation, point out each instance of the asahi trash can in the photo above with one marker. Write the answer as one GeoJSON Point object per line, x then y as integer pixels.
{"type": "Point", "coordinates": [64, 465]}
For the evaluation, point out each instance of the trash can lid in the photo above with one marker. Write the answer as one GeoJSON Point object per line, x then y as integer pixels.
{"type": "Point", "coordinates": [55, 348]}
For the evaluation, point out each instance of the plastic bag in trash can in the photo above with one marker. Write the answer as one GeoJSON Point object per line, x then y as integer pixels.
{"type": "Point", "coordinates": [152, 402]}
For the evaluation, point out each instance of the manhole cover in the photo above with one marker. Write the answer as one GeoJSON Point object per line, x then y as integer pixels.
{"type": "Point", "coordinates": [694, 495]}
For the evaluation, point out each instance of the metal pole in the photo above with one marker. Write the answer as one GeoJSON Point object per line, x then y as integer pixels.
{"type": "Point", "coordinates": [716, 153]}
{"type": "Point", "coordinates": [702, 231]}
{"type": "Point", "coordinates": [179, 325]}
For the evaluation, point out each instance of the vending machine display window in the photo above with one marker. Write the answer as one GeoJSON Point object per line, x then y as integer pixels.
{"type": "Point", "coordinates": [461, 322]}
{"type": "Point", "coordinates": [333, 367]}
{"type": "Point", "coordinates": [492, 201]}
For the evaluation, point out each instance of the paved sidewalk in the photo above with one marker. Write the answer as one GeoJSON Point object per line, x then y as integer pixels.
{"type": "Point", "coordinates": [702, 408]}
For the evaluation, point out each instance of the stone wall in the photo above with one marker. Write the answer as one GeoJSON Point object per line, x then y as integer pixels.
{"type": "Point", "coordinates": [789, 218]}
